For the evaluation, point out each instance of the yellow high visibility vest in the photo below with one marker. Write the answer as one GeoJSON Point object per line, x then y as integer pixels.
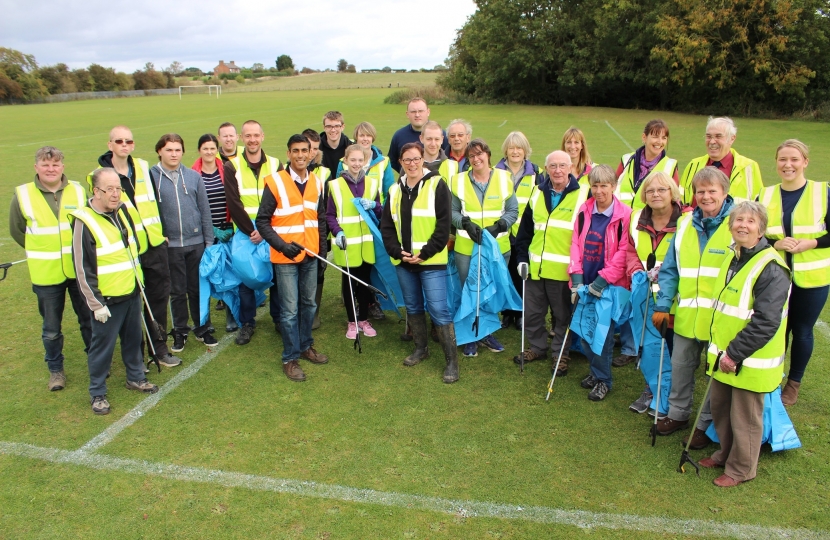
{"type": "Point", "coordinates": [625, 183]}
{"type": "Point", "coordinates": [698, 272]}
{"type": "Point", "coordinates": [523, 190]}
{"type": "Point", "coordinates": [116, 276]}
{"type": "Point", "coordinates": [811, 268]}
{"type": "Point", "coordinates": [762, 371]}
{"type": "Point", "coordinates": [448, 169]}
{"type": "Point", "coordinates": [550, 248]}
{"type": "Point", "coordinates": [359, 240]}
{"type": "Point", "coordinates": [498, 191]}
{"type": "Point", "coordinates": [49, 238]}
{"type": "Point", "coordinates": [744, 183]}
{"type": "Point", "coordinates": [250, 186]}
{"type": "Point", "coordinates": [642, 243]}
{"type": "Point", "coordinates": [423, 218]}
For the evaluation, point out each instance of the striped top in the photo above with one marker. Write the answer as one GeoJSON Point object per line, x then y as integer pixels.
{"type": "Point", "coordinates": [216, 197]}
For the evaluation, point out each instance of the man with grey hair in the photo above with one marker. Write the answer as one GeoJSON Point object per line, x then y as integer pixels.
{"type": "Point", "coordinates": [689, 271]}
{"type": "Point", "coordinates": [543, 247]}
{"type": "Point", "coordinates": [417, 111]}
{"type": "Point", "coordinates": [105, 251]}
{"type": "Point", "coordinates": [39, 223]}
{"type": "Point", "coordinates": [459, 133]}
{"type": "Point", "coordinates": [743, 173]}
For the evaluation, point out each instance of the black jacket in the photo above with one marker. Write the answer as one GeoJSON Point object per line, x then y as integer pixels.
{"type": "Point", "coordinates": [526, 225]}
{"type": "Point", "coordinates": [770, 293]}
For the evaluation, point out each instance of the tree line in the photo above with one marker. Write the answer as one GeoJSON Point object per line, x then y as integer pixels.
{"type": "Point", "coordinates": [728, 57]}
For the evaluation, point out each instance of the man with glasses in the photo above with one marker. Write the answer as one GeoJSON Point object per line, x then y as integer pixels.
{"type": "Point", "coordinates": [244, 182]}
{"type": "Point", "coordinates": [39, 222]}
{"type": "Point", "coordinates": [543, 249]}
{"type": "Point", "coordinates": [459, 133]}
{"type": "Point", "coordinates": [417, 112]}
{"type": "Point", "coordinates": [334, 144]}
{"type": "Point", "coordinates": [139, 196]}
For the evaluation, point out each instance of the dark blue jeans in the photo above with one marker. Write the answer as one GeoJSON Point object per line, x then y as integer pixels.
{"type": "Point", "coordinates": [429, 283]}
{"type": "Point", "coordinates": [297, 284]}
{"type": "Point", "coordinates": [601, 363]}
{"type": "Point", "coordinates": [805, 308]}
{"type": "Point", "coordinates": [51, 300]}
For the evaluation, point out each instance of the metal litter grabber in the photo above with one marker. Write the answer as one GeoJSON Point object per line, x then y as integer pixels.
{"type": "Point", "coordinates": [650, 262]}
{"type": "Point", "coordinates": [357, 344]}
{"type": "Point", "coordinates": [331, 264]}
{"type": "Point", "coordinates": [157, 332]}
{"type": "Point", "coordinates": [684, 457]}
{"type": "Point", "coordinates": [523, 268]}
{"type": "Point", "coordinates": [5, 267]}
{"type": "Point", "coordinates": [663, 328]}
{"type": "Point", "coordinates": [562, 349]}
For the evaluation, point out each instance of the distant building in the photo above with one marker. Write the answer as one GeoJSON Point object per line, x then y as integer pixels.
{"type": "Point", "coordinates": [225, 68]}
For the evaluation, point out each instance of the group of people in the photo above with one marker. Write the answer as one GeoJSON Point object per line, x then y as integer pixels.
{"type": "Point", "coordinates": [724, 271]}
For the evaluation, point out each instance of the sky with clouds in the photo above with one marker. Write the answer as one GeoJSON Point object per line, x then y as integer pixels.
{"type": "Point", "coordinates": [126, 35]}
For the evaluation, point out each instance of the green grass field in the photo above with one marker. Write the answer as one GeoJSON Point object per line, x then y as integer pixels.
{"type": "Point", "coordinates": [366, 448]}
{"type": "Point", "coordinates": [336, 81]}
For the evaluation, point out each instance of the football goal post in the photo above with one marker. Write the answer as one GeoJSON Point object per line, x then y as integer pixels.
{"type": "Point", "coordinates": [211, 89]}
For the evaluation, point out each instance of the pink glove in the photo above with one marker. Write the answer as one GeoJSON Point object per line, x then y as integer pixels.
{"type": "Point", "coordinates": [653, 273]}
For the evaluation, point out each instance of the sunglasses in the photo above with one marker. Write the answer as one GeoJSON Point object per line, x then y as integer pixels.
{"type": "Point", "coordinates": [123, 141]}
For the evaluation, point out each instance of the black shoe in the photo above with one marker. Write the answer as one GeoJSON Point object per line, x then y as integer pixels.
{"type": "Point", "coordinates": [518, 323]}
{"type": "Point", "coordinates": [178, 342]}
{"type": "Point", "coordinates": [507, 320]}
{"type": "Point", "coordinates": [208, 339]}
{"type": "Point", "coordinates": [588, 382]}
{"type": "Point", "coordinates": [598, 392]}
{"type": "Point", "coordinates": [244, 335]}
{"type": "Point", "coordinates": [220, 305]}
{"type": "Point", "coordinates": [375, 312]}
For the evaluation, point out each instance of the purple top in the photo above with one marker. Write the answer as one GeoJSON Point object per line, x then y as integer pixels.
{"type": "Point", "coordinates": [357, 189]}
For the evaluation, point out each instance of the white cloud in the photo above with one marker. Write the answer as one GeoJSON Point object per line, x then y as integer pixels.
{"type": "Point", "coordinates": [126, 35]}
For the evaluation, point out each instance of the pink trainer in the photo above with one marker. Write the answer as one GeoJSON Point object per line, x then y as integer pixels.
{"type": "Point", "coordinates": [351, 331]}
{"type": "Point", "coordinates": [366, 328]}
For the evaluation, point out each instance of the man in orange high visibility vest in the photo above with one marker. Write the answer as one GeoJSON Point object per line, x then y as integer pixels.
{"type": "Point", "coordinates": [288, 216]}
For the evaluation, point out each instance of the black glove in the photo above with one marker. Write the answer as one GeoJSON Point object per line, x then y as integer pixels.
{"type": "Point", "coordinates": [291, 250]}
{"type": "Point", "coordinates": [496, 228]}
{"type": "Point", "coordinates": [472, 229]}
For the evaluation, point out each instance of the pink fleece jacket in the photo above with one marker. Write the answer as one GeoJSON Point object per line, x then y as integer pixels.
{"type": "Point", "coordinates": [616, 245]}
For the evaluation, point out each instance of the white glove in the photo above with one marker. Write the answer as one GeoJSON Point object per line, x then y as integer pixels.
{"type": "Point", "coordinates": [367, 204]}
{"type": "Point", "coordinates": [653, 274]}
{"type": "Point", "coordinates": [574, 294]}
{"type": "Point", "coordinates": [102, 314]}
{"type": "Point", "coordinates": [522, 270]}
{"type": "Point", "coordinates": [340, 240]}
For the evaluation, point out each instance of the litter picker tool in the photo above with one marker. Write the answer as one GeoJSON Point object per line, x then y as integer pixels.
{"type": "Point", "coordinates": [5, 267]}
{"type": "Point", "coordinates": [562, 349]}
{"type": "Point", "coordinates": [650, 262]}
{"type": "Point", "coordinates": [331, 264]}
{"type": "Point", "coordinates": [523, 275]}
{"type": "Point", "coordinates": [158, 332]}
{"type": "Point", "coordinates": [478, 292]}
{"type": "Point", "coordinates": [684, 457]}
{"type": "Point", "coordinates": [357, 344]}
{"type": "Point", "coordinates": [659, 380]}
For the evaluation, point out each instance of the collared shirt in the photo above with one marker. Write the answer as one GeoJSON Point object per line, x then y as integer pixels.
{"type": "Point", "coordinates": [608, 212]}
{"type": "Point", "coordinates": [726, 164]}
{"type": "Point", "coordinates": [297, 180]}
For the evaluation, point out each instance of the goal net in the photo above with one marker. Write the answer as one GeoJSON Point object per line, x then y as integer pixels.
{"type": "Point", "coordinates": [208, 89]}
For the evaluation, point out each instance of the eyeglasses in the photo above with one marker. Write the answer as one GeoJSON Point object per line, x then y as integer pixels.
{"type": "Point", "coordinates": [332, 126]}
{"type": "Point", "coordinates": [110, 190]}
{"type": "Point", "coordinates": [123, 141]}
{"type": "Point", "coordinates": [411, 160]}
{"type": "Point", "coordinates": [661, 191]}
{"type": "Point", "coordinates": [473, 156]}
{"type": "Point", "coordinates": [557, 166]}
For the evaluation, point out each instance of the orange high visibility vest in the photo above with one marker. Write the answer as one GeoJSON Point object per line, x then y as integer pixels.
{"type": "Point", "coordinates": [295, 218]}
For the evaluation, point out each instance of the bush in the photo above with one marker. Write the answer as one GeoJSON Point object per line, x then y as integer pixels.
{"type": "Point", "coordinates": [240, 79]}
{"type": "Point", "coordinates": [435, 95]}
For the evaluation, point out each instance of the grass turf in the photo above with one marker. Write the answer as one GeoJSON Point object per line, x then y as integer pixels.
{"type": "Point", "coordinates": [366, 421]}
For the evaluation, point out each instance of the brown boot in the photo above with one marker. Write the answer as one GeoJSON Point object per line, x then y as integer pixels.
{"type": "Point", "coordinates": [699, 440]}
{"type": "Point", "coordinates": [293, 371]}
{"type": "Point", "coordinates": [789, 395]}
{"type": "Point", "coordinates": [418, 323]}
{"type": "Point", "coordinates": [563, 366]}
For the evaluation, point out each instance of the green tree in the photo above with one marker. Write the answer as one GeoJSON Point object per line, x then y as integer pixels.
{"type": "Point", "coordinates": [18, 76]}
{"type": "Point", "coordinates": [284, 62]}
{"type": "Point", "coordinates": [342, 64]}
{"type": "Point", "coordinates": [107, 79]}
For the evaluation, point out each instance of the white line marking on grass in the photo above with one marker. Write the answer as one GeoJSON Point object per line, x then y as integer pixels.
{"type": "Point", "coordinates": [503, 123]}
{"type": "Point", "coordinates": [824, 328]}
{"type": "Point", "coordinates": [106, 436]}
{"type": "Point", "coordinates": [607, 123]}
{"type": "Point", "coordinates": [537, 514]}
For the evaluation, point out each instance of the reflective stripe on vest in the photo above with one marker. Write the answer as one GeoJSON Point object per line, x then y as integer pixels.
{"type": "Point", "coordinates": [448, 169]}
{"type": "Point", "coordinates": [625, 183]}
{"type": "Point", "coordinates": [499, 189]}
{"type": "Point", "coordinates": [295, 217]}
{"type": "Point", "coordinates": [523, 190]}
{"type": "Point", "coordinates": [359, 240]}
{"type": "Point", "coordinates": [762, 371]}
{"type": "Point", "coordinates": [250, 186]}
{"type": "Point", "coordinates": [744, 183]}
{"type": "Point", "coordinates": [423, 218]}
{"type": "Point", "coordinates": [115, 263]}
{"type": "Point", "coordinates": [642, 243]}
{"type": "Point", "coordinates": [698, 272]}
{"type": "Point", "coordinates": [811, 268]}
{"type": "Point", "coordinates": [48, 238]}
{"type": "Point", "coordinates": [550, 248]}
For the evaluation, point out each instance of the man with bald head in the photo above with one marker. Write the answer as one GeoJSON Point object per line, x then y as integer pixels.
{"type": "Point", "coordinates": [744, 174]}
{"type": "Point", "coordinates": [417, 112]}
{"type": "Point", "coordinates": [543, 249]}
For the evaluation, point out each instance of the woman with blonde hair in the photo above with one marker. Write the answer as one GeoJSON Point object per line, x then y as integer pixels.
{"type": "Point", "coordinates": [798, 224]}
{"type": "Point", "coordinates": [573, 142]}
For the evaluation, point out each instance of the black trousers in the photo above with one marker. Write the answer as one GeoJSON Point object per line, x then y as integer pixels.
{"type": "Point", "coordinates": [154, 263]}
{"type": "Point", "coordinates": [184, 288]}
{"type": "Point", "coordinates": [363, 294]}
